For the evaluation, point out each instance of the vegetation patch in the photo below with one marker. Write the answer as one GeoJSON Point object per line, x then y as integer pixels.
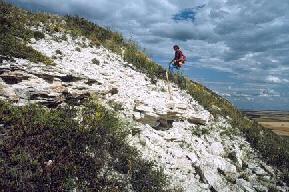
{"type": "Point", "coordinates": [95, 61]}
{"type": "Point", "coordinates": [14, 35]}
{"type": "Point", "coordinates": [50, 150]}
{"type": "Point", "coordinates": [38, 35]}
{"type": "Point", "coordinates": [58, 52]}
{"type": "Point", "coordinates": [199, 131]}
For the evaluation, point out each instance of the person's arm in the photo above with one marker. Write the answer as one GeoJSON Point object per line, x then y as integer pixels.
{"type": "Point", "coordinates": [178, 56]}
{"type": "Point", "coordinates": [175, 58]}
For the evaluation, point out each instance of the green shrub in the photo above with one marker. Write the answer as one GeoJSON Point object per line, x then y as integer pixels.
{"type": "Point", "coordinates": [38, 35]}
{"type": "Point", "coordinates": [58, 52]}
{"type": "Point", "coordinates": [95, 61]}
{"type": "Point", "coordinates": [49, 150]}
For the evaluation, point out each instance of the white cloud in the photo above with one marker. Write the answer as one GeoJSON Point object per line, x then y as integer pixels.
{"type": "Point", "coordinates": [273, 79]}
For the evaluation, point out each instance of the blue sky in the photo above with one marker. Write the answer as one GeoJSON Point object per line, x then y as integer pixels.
{"type": "Point", "coordinates": [237, 48]}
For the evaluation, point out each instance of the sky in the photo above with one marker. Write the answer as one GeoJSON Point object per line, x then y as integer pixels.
{"type": "Point", "coordinates": [239, 49]}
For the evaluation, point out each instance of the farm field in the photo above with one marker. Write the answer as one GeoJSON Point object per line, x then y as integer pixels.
{"type": "Point", "coordinates": [278, 121]}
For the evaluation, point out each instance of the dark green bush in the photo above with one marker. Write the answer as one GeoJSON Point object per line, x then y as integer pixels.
{"type": "Point", "coordinates": [58, 52]}
{"type": "Point", "coordinates": [31, 136]}
{"type": "Point", "coordinates": [38, 35]}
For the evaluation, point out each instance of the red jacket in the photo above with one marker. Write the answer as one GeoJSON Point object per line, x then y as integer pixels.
{"type": "Point", "coordinates": [179, 56]}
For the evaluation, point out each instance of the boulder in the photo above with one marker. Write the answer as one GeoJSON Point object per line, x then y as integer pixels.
{"type": "Point", "coordinates": [50, 102]}
{"type": "Point", "coordinates": [259, 171]}
{"type": "Point", "coordinates": [76, 98]}
{"type": "Point", "coordinates": [6, 58]}
{"type": "Point", "coordinates": [192, 157]}
{"type": "Point", "coordinates": [150, 119]}
{"type": "Point", "coordinates": [158, 120]}
{"type": "Point", "coordinates": [164, 124]}
{"type": "Point", "coordinates": [245, 185]}
{"type": "Point", "coordinates": [47, 77]}
{"type": "Point", "coordinates": [136, 116]}
{"type": "Point", "coordinates": [236, 156]}
{"type": "Point", "coordinates": [46, 99]}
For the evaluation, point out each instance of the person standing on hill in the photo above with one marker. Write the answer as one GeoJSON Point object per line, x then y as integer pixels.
{"type": "Point", "coordinates": [178, 60]}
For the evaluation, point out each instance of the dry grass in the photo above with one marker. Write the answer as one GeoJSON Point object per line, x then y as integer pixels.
{"type": "Point", "coordinates": [280, 128]}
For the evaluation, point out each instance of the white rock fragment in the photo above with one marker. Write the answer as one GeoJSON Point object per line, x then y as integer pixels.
{"type": "Point", "coordinates": [216, 148]}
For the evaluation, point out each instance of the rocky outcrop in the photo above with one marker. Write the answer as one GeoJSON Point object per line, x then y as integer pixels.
{"type": "Point", "coordinates": [163, 119]}
{"type": "Point", "coordinates": [28, 82]}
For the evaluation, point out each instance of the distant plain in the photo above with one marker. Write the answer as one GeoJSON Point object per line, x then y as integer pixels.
{"type": "Point", "coordinates": [278, 121]}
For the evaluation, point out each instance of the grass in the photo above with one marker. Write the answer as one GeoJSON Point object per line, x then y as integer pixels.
{"type": "Point", "coordinates": [199, 131]}
{"type": "Point", "coordinates": [50, 150]}
{"type": "Point", "coordinates": [14, 35]}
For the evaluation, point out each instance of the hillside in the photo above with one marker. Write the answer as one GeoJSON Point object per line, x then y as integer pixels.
{"type": "Point", "coordinates": [75, 114]}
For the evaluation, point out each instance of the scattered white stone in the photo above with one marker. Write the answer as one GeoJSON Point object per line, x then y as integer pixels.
{"type": "Point", "coordinates": [216, 148]}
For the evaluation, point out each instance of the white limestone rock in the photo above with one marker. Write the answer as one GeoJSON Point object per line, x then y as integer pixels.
{"type": "Point", "coordinates": [216, 148]}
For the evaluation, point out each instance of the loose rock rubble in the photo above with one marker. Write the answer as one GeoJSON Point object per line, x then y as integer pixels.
{"type": "Point", "coordinates": [192, 147]}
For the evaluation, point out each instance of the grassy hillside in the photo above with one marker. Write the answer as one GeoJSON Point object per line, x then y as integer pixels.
{"type": "Point", "coordinates": [273, 149]}
{"type": "Point", "coordinates": [14, 35]}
